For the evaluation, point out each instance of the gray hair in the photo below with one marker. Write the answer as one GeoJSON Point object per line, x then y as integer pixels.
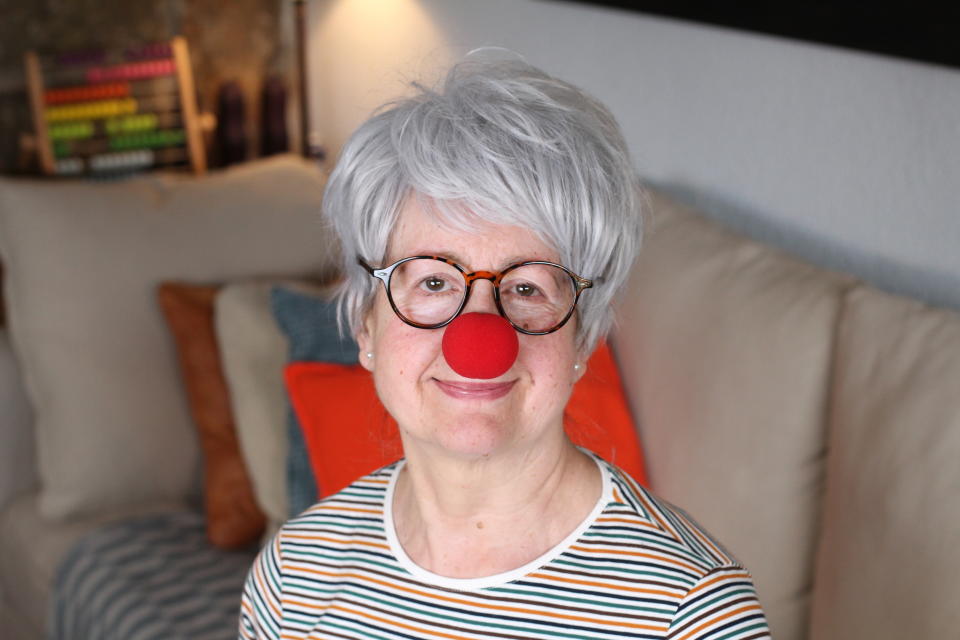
{"type": "Point", "coordinates": [505, 142]}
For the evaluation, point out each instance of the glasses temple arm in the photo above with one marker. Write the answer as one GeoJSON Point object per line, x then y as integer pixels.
{"type": "Point", "coordinates": [366, 266]}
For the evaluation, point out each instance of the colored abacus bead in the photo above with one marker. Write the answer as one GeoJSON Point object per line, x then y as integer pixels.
{"type": "Point", "coordinates": [68, 166]}
{"type": "Point", "coordinates": [122, 161]}
{"type": "Point", "coordinates": [72, 130]}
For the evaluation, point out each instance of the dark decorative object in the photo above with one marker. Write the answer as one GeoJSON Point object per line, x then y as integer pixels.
{"type": "Point", "coordinates": [300, 19]}
{"type": "Point", "coordinates": [921, 30]}
{"type": "Point", "coordinates": [231, 125]}
{"type": "Point", "coordinates": [273, 117]}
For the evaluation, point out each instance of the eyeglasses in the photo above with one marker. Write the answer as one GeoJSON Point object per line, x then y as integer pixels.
{"type": "Point", "coordinates": [428, 292]}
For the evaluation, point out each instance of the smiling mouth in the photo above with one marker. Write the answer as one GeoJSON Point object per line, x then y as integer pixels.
{"type": "Point", "coordinates": [475, 390]}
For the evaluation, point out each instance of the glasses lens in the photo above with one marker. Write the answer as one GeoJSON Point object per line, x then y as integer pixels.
{"type": "Point", "coordinates": [427, 291]}
{"type": "Point", "coordinates": [537, 297]}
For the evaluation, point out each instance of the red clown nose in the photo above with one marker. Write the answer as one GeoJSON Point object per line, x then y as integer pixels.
{"type": "Point", "coordinates": [480, 345]}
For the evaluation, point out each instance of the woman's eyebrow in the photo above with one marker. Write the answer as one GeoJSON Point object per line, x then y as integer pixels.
{"type": "Point", "coordinates": [450, 255]}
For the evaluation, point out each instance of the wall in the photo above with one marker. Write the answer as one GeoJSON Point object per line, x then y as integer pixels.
{"type": "Point", "coordinates": [847, 159]}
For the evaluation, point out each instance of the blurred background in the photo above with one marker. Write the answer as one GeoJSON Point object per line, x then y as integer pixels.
{"type": "Point", "coordinates": [838, 141]}
{"type": "Point", "coordinates": [829, 130]}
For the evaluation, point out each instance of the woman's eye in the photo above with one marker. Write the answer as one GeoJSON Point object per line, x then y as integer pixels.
{"type": "Point", "coordinates": [434, 284]}
{"type": "Point", "coordinates": [526, 289]}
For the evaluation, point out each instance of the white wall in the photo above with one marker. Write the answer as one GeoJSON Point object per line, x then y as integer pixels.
{"type": "Point", "coordinates": [849, 159]}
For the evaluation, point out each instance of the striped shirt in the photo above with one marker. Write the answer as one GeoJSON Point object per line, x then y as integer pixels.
{"type": "Point", "coordinates": [636, 567]}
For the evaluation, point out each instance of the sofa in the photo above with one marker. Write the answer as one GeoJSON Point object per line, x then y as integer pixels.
{"type": "Point", "coordinates": [806, 418]}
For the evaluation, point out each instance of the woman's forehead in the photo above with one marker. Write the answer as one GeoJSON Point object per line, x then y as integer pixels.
{"type": "Point", "coordinates": [480, 244]}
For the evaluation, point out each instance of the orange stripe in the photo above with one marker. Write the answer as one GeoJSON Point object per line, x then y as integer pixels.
{"type": "Point", "coordinates": [617, 497]}
{"type": "Point", "coordinates": [712, 621]}
{"type": "Point", "coordinates": [636, 554]}
{"type": "Point", "coordinates": [482, 605]}
{"type": "Point", "coordinates": [306, 605]}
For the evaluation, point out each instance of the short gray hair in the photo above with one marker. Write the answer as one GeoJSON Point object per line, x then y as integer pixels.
{"type": "Point", "coordinates": [504, 141]}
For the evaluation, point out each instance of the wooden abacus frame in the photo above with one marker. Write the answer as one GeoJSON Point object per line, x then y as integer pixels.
{"type": "Point", "coordinates": [189, 115]}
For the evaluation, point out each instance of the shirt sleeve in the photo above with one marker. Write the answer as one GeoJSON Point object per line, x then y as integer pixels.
{"type": "Point", "coordinates": [722, 604]}
{"type": "Point", "coordinates": [260, 606]}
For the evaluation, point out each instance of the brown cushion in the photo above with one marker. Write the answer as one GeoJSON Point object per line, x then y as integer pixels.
{"type": "Point", "coordinates": [233, 517]}
{"type": "Point", "coordinates": [887, 565]}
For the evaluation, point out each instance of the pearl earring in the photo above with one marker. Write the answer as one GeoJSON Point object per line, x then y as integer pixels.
{"type": "Point", "coordinates": [576, 367]}
{"type": "Point", "coordinates": [369, 355]}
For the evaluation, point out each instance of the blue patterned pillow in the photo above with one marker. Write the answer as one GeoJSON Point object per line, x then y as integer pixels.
{"type": "Point", "coordinates": [310, 323]}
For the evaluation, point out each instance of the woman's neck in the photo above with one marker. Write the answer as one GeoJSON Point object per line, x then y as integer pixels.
{"type": "Point", "coordinates": [482, 517]}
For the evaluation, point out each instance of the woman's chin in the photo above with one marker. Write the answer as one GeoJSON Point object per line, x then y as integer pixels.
{"type": "Point", "coordinates": [468, 437]}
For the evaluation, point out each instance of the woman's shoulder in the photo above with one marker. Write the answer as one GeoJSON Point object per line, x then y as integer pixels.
{"type": "Point", "coordinates": [675, 531]}
{"type": "Point", "coordinates": [358, 504]}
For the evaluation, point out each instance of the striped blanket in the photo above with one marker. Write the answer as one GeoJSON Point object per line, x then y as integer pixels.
{"type": "Point", "coordinates": [149, 578]}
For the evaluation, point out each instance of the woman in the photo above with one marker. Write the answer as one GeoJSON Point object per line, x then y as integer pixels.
{"type": "Point", "coordinates": [486, 229]}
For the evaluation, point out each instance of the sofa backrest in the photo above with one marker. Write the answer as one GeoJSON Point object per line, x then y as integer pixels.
{"type": "Point", "coordinates": [888, 564]}
{"type": "Point", "coordinates": [18, 468]}
{"type": "Point", "coordinates": [725, 346]}
{"type": "Point", "coordinates": [83, 261]}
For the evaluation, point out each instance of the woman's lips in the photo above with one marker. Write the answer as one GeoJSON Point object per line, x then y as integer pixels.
{"type": "Point", "coordinates": [475, 390]}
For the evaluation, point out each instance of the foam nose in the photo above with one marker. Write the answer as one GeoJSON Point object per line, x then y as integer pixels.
{"type": "Point", "coordinates": [480, 345]}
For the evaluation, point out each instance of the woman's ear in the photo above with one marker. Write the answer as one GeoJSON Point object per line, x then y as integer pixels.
{"type": "Point", "coordinates": [580, 367]}
{"type": "Point", "coordinates": [365, 342]}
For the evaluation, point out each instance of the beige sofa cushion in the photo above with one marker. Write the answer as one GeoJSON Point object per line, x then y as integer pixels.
{"type": "Point", "coordinates": [724, 346]}
{"type": "Point", "coordinates": [254, 352]}
{"type": "Point", "coordinates": [18, 467]}
{"type": "Point", "coordinates": [888, 565]}
{"type": "Point", "coordinates": [82, 263]}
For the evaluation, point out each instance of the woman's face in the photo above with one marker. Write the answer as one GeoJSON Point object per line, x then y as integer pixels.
{"type": "Point", "coordinates": [438, 408]}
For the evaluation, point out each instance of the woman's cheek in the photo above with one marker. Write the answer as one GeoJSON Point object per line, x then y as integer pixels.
{"type": "Point", "coordinates": [549, 362]}
{"type": "Point", "coordinates": [405, 359]}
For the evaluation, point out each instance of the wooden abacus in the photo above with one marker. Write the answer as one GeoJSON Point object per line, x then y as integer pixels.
{"type": "Point", "coordinates": [97, 112]}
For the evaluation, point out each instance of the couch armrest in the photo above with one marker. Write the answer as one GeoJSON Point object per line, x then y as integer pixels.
{"type": "Point", "coordinates": [17, 452]}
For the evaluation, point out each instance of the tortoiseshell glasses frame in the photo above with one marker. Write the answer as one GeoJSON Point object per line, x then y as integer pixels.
{"type": "Point", "coordinates": [469, 277]}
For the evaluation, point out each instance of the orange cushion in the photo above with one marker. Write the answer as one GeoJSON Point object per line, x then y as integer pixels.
{"type": "Point", "coordinates": [598, 418]}
{"type": "Point", "coordinates": [349, 434]}
{"type": "Point", "coordinates": [347, 431]}
{"type": "Point", "coordinates": [233, 517]}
